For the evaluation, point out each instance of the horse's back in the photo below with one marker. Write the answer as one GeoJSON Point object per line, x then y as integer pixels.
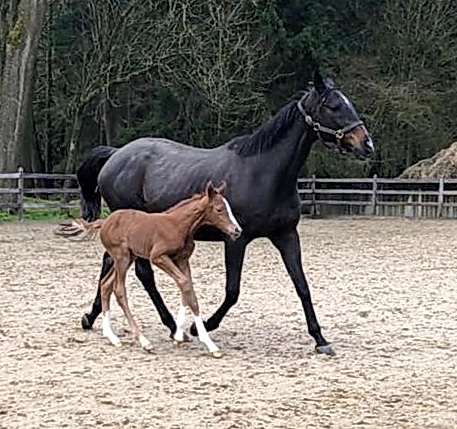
{"type": "Point", "coordinates": [154, 173]}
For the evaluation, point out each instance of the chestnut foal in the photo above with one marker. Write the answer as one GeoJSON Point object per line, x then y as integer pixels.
{"type": "Point", "coordinates": [166, 239]}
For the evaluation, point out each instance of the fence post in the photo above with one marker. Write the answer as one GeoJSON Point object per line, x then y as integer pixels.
{"type": "Point", "coordinates": [419, 204]}
{"type": "Point", "coordinates": [440, 197]}
{"type": "Point", "coordinates": [374, 197]}
{"type": "Point", "coordinates": [313, 195]}
{"type": "Point", "coordinates": [20, 195]}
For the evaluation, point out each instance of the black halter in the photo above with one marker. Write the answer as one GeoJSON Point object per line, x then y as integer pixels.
{"type": "Point", "coordinates": [319, 128]}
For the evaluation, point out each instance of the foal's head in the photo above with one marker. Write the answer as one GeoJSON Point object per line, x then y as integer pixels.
{"type": "Point", "coordinates": [219, 213]}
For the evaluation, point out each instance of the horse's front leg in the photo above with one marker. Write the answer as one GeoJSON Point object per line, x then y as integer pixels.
{"type": "Point", "coordinates": [234, 257]}
{"type": "Point", "coordinates": [145, 274]}
{"type": "Point", "coordinates": [288, 244]}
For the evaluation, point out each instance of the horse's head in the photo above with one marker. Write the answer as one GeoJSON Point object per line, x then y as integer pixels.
{"type": "Point", "coordinates": [219, 213]}
{"type": "Point", "coordinates": [334, 119]}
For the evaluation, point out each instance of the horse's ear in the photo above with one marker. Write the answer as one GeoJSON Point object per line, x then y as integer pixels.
{"type": "Point", "coordinates": [319, 82]}
{"type": "Point", "coordinates": [210, 190]}
{"type": "Point", "coordinates": [221, 188]}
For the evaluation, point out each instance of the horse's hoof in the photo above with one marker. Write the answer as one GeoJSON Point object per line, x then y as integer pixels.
{"type": "Point", "coordinates": [85, 322]}
{"type": "Point", "coordinates": [217, 354]}
{"type": "Point", "coordinates": [117, 345]}
{"type": "Point", "coordinates": [186, 338]}
{"type": "Point", "coordinates": [326, 350]}
{"type": "Point", "coordinates": [177, 343]}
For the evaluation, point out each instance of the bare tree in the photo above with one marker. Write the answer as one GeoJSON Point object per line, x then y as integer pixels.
{"type": "Point", "coordinates": [21, 25]}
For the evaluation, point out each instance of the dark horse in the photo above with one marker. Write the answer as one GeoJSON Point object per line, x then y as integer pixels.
{"type": "Point", "coordinates": [261, 171]}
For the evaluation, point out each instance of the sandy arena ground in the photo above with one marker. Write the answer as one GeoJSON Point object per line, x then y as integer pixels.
{"type": "Point", "coordinates": [384, 291]}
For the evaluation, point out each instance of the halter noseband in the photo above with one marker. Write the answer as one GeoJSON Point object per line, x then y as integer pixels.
{"type": "Point", "coordinates": [319, 128]}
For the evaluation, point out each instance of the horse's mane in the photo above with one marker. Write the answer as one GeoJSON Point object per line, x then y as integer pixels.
{"type": "Point", "coordinates": [185, 202]}
{"type": "Point", "coordinates": [265, 136]}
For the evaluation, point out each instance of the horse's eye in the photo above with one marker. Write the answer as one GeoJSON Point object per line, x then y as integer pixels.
{"type": "Point", "coordinates": [332, 107]}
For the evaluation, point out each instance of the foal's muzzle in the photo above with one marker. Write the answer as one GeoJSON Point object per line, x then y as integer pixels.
{"type": "Point", "coordinates": [235, 233]}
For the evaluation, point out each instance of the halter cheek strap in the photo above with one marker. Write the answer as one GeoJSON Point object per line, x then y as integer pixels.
{"type": "Point", "coordinates": [319, 128]}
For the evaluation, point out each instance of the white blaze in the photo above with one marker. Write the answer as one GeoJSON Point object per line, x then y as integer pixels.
{"type": "Point", "coordinates": [230, 213]}
{"type": "Point", "coordinates": [344, 98]}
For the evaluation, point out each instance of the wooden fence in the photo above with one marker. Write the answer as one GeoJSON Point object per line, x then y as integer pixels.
{"type": "Point", "coordinates": [21, 184]}
{"type": "Point", "coordinates": [379, 197]}
{"type": "Point", "coordinates": [320, 197]}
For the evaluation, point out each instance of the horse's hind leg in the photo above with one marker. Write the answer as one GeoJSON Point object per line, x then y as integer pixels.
{"type": "Point", "coordinates": [88, 319]}
{"type": "Point", "coordinates": [145, 274]}
{"type": "Point", "coordinates": [121, 296]}
{"type": "Point", "coordinates": [106, 289]}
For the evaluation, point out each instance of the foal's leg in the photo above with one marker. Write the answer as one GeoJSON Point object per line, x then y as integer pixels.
{"type": "Point", "coordinates": [180, 335]}
{"type": "Point", "coordinates": [145, 274]}
{"type": "Point", "coordinates": [120, 292]}
{"type": "Point", "coordinates": [188, 297]}
{"type": "Point", "coordinates": [106, 289]}
{"type": "Point", "coordinates": [234, 257]}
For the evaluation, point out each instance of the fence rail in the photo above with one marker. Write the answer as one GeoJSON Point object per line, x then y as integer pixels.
{"type": "Point", "coordinates": [378, 196]}
{"type": "Point", "coordinates": [358, 196]}
{"type": "Point", "coordinates": [18, 190]}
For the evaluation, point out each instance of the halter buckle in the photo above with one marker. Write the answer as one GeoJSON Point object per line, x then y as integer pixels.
{"type": "Point", "coordinates": [339, 134]}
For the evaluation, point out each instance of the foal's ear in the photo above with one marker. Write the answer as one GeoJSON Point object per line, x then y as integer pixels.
{"type": "Point", "coordinates": [319, 82]}
{"type": "Point", "coordinates": [221, 188]}
{"type": "Point", "coordinates": [210, 190]}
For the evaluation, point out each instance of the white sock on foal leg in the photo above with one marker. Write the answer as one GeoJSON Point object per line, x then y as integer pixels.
{"type": "Point", "coordinates": [145, 343]}
{"type": "Point", "coordinates": [203, 335]}
{"type": "Point", "coordinates": [180, 322]}
{"type": "Point", "coordinates": [107, 331]}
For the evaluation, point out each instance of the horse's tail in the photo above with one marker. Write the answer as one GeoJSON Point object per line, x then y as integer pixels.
{"type": "Point", "coordinates": [87, 174]}
{"type": "Point", "coordinates": [79, 226]}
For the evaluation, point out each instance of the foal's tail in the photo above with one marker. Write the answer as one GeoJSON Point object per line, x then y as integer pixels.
{"type": "Point", "coordinates": [78, 227]}
{"type": "Point", "coordinates": [87, 174]}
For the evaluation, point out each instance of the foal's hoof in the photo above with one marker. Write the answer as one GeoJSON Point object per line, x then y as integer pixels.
{"type": "Point", "coordinates": [85, 322]}
{"type": "Point", "coordinates": [217, 354]}
{"type": "Point", "coordinates": [177, 343]}
{"type": "Point", "coordinates": [326, 350]}
{"type": "Point", "coordinates": [148, 348]}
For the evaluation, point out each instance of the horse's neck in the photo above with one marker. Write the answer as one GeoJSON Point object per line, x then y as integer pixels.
{"type": "Point", "coordinates": [284, 162]}
{"type": "Point", "coordinates": [188, 216]}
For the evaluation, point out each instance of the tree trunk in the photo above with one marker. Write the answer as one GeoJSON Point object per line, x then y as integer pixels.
{"type": "Point", "coordinates": [73, 140]}
{"type": "Point", "coordinates": [17, 83]}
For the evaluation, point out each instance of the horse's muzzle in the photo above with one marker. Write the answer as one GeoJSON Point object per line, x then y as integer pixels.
{"type": "Point", "coordinates": [235, 233]}
{"type": "Point", "coordinates": [368, 146]}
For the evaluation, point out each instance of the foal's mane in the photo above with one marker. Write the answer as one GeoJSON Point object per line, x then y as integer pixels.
{"type": "Point", "coordinates": [185, 202]}
{"type": "Point", "coordinates": [265, 136]}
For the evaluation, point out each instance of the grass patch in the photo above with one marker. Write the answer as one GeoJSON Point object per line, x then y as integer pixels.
{"type": "Point", "coordinates": [44, 214]}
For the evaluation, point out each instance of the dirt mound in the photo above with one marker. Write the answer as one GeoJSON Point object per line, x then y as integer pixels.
{"type": "Point", "coordinates": [442, 164]}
